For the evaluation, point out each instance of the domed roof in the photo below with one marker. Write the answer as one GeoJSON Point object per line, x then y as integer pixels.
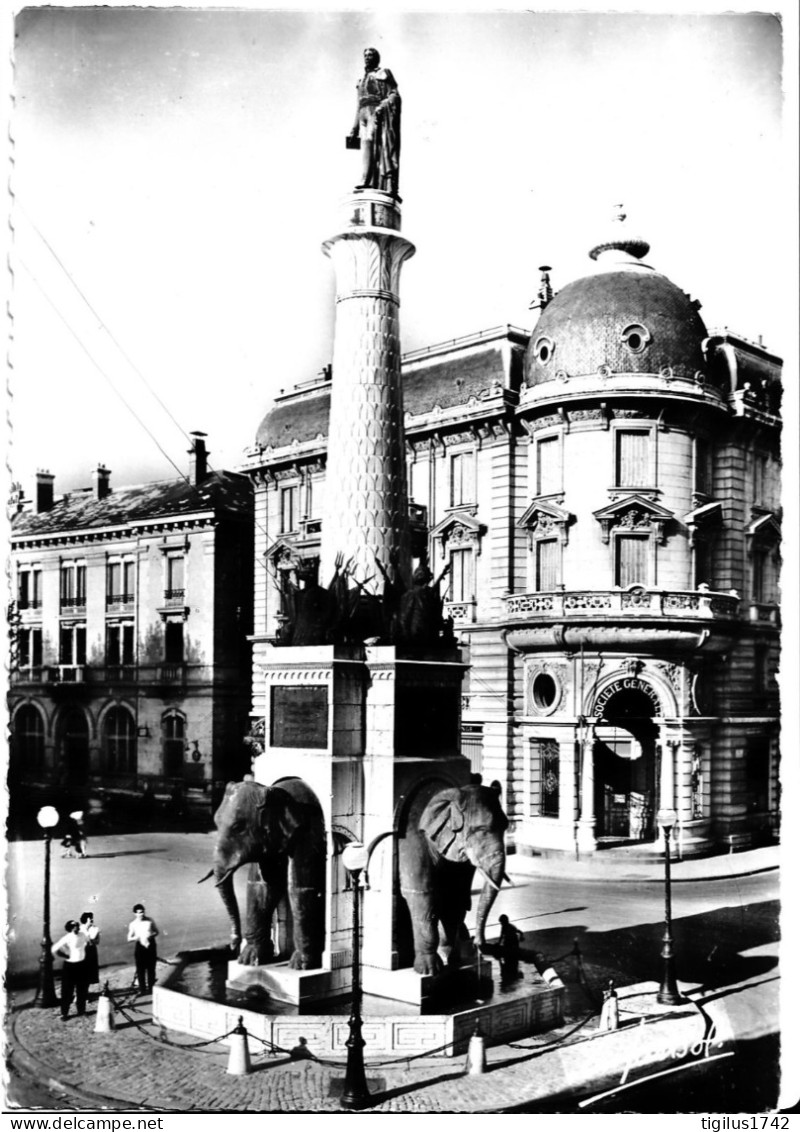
{"type": "Point", "coordinates": [623, 318]}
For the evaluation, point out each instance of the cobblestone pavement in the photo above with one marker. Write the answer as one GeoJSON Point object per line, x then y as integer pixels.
{"type": "Point", "coordinates": [140, 1066]}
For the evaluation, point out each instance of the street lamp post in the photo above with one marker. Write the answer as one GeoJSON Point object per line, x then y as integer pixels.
{"type": "Point", "coordinates": [355, 858]}
{"type": "Point", "coordinates": [47, 818]}
{"type": "Point", "coordinates": [668, 992]}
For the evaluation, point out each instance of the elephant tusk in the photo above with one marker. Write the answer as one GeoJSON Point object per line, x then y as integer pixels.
{"type": "Point", "coordinates": [210, 873]}
{"type": "Point", "coordinates": [488, 880]}
{"type": "Point", "coordinates": [508, 880]}
{"type": "Point", "coordinates": [224, 877]}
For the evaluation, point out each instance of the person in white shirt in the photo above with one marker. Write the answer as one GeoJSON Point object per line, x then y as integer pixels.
{"type": "Point", "coordinates": [72, 949]}
{"type": "Point", "coordinates": [142, 931]}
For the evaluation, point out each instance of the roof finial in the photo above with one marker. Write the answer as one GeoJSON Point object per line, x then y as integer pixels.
{"type": "Point", "coordinates": [545, 292]}
{"type": "Point", "coordinates": [619, 240]}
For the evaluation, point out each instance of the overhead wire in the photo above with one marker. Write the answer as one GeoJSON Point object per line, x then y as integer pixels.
{"type": "Point", "coordinates": [104, 327]}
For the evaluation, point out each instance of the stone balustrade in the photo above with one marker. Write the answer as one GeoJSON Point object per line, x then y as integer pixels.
{"type": "Point", "coordinates": [635, 602]}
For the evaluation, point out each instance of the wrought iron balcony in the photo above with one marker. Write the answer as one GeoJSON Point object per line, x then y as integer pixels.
{"type": "Point", "coordinates": [174, 597]}
{"type": "Point", "coordinates": [75, 603]}
{"type": "Point", "coordinates": [117, 603]}
{"type": "Point", "coordinates": [631, 603]}
{"type": "Point", "coordinates": [71, 673]}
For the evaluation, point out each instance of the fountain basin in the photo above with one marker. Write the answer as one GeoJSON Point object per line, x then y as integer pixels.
{"type": "Point", "coordinates": [193, 999]}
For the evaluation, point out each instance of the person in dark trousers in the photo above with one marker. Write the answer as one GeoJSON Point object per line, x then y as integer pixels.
{"type": "Point", "coordinates": [508, 944]}
{"type": "Point", "coordinates": [92, 933]}
{"type": "Point", "coordinates": [72, 949]}
{"type": "Point", "coordinates": [142, 932]}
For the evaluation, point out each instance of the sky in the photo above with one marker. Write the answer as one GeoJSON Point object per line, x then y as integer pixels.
{"type": "Point", "coordinates": [175, 172]}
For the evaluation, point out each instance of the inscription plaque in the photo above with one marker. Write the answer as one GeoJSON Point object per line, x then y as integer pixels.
{"type": "Point", "coordinates": [299, 717]}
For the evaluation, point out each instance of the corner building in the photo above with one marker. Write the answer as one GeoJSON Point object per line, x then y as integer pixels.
{"type": "Point", "coordinates": [606, 493]}
{"type": "Point", "coordinates": [130, 661]}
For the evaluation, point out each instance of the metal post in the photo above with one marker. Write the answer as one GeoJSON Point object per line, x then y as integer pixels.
{"type": "Point", "coordinates": [356, 1094]}
{"type": "Point", "coordinates": [668, 992]}
{"type": "Point", "coordinates": [47, 989]}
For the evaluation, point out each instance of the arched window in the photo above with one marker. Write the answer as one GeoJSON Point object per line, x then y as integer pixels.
{"type": "Point", "coordinates": [174, 731]}
{"type": "Point", "coordinates": [29, 739]}
{"type": "Point", "coordinates": [119, 742]}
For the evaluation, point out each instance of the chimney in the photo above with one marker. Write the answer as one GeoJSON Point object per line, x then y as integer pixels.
{"type": "Point", "coordinates": [198, 458]}
{"type": "Point", "coordinates": [100, 480]}
{"type": "Point", "coordinates": [44, 491]}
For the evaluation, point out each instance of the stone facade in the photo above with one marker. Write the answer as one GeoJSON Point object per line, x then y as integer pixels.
{"type": "Point", "coordinates": [606, 493]}
{"type": "Point", "coordinates": [130, 655]}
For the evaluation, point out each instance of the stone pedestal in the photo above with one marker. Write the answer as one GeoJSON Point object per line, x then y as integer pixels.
{"type": "Point", "coordinates": [363, 727]}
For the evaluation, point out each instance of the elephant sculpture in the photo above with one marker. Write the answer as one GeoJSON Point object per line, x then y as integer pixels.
{"type": "Point", "coordinates": [458, 830]}
{"type": "Point", "coordinates": [278, 831]}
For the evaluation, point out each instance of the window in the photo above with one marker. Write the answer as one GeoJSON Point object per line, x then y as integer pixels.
{"type": "Point", "coordinates": [288, 506]}
{"type": "Point", "coordinates": [548, 466]}
{"type": "Point", "coordinates": [760, 463]}
{"type": "Point", "coordinates": [633, 458]}
{"type": "Point", "coordinates": [632, 559]}
{"type": "Point", "coordinates": [759, 573]}
{"type": "Point", "coordinates": [461, 585]}
{"type": "Point", "coordinates": [119, 643]}
{"type": "Point", "coordinates": [119, 740]}
{"type": "Point", "coordinates": [30, 648]}
{"type": "Point", "coordinates": [547, 564]}
{"type": "Point", "coordinates": [176, 585]}
{"type": "Point", "coordinates": [544, 781]}
{"type": "Point", "coordinates": [29, 738]}
{"type": "Point", "coordinates": [173, 642]}
{"type": "Point", "coordinates": [462, 479]}
{"type": "Point", "coordinates": [72, 644]}
{"type": "Point", "coordinates": [73, 584]}
{"type": "Point", "coordinates": [119, 582]}
{"type": "Point", "coordinates": [703, 563]}
{"type": "Point", "coordinates": [29, 588]}
{"type": "Point", "coordinates": [174, 740]}
{"type": "Point", "coordinates": [704, 467]}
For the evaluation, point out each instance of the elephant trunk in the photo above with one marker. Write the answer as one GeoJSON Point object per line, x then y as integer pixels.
{"type": "Point", "coordinates": [224, 883]}
{"type": "Point", "coordinates": [493, 873]}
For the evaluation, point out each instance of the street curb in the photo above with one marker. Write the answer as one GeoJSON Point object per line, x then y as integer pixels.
{"type": "Point", "coordinates": [631, 878]}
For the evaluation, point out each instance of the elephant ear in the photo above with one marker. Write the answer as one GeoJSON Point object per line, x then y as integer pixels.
{"type": "Point", "coordinates": [442, 821]}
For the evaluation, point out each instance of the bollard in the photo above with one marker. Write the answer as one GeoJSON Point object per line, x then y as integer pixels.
{"type": "Point", "coordinates": [476, 1053]}
{"type": "Point", "coordinates": [609, 1015]}
{"type": "Point", "coordinates": [239, 1059]}
{"type": "Point", "coordinates": [104, 1022]}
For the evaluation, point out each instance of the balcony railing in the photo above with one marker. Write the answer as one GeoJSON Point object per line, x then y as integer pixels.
{"type": "Point", "coordinates": [119, 603]}
{"type": "Point", "coordinates": [70, 673]}
{"type": "Point", "coordinates": [74, 603]}
{"type": "Point", "coordinates": [622, 603]}
{"type": "Point", "coordinates": [29, 603]}
{"type": "Point", "coordinates": [171, 673]}
{"type": "Point", "coordinates": [174, 597]}
{"type": "Point", "coordinates": [460, 611]}
{"type": "Point", "coordinates": [31, 674]}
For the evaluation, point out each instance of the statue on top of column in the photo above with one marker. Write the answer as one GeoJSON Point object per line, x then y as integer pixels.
{"type": "Point", "coordinates": [377, 126]}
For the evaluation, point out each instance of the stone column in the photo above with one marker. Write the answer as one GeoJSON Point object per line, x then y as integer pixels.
{"type": "Point", "coordinates": [366, 508]}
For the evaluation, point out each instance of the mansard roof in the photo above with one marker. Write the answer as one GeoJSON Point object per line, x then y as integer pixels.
{"type": "Point", "coordinates": [221, 492]}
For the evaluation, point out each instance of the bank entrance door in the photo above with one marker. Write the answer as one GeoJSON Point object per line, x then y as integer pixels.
{"type": "Point", "coordinates": [625, 769]}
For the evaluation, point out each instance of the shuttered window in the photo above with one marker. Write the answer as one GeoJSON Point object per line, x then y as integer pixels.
{"type": "Point", "coordinates": [548, 466]}
{"type": "Point", "coordinates": [462, 478]}
{"type": "Point", "coordinates": [633, 554]}
{"type": "Point", "coordinates": [547, 563]}
{"type": "Point", "coordinates": [461, 588]}
{"type": "Point", "coordinates": [633, 459]}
